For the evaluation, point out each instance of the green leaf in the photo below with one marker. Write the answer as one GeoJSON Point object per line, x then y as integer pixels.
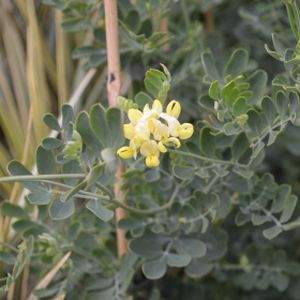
{"type": "Point", "coordinates": [68, 115]}
{"type": "Point", "coordinates": [155, 269]}
{"type": "Point", "coordinates": [206, 103]}
{"type": "Point", "coordinates": [258, 83]}
{"type": "Point", "coordinates": [198, 269]}
{"type": "Point", "coordinates": [239, 146]}
{"type": "Point", "coordinates": [269, 110]}
{"type": "Point", "coordinates": [130, 223]}
{"type": "Point", "coordinates": [184, 172]}
{"type": "Point", "coordinates": [39, 198]}
{"type": "Point", "coordinates": [288, 209]}
{"type": "Point", "coordinates": [230, 92]}
{"type": "Point", "coordinates": [61, 210]}
{"type": "Point", "coordinates": [12, 210]}
{"type": "Point", "coordinates": [87, 134]}
{"type": "Point", "coordinates": [22, 225]}
{"type": "Point", "coordinates": [99, 210]}
{"type": "Point", "coordinates": [282, 104]}
{"type": "Point", "coordinates": [72, 166]}
{"type": "Point", "coordinates": [283, 192]}
{"type": "Point", "coordinates": [51, 143]}
{"type": "Point", "coordinates": [152, 175]}
{"type": "Point", "coordinates": [190, 246]}
{"type": "Point", "coordinates": [133, 20]}
{"type": "Point", "coordinates": [15, 168]}
{"type": "Point", "coordinates": [99, 125]}
{"type": "Point", "coordinates": [259, 219]}
{"type": "Point", "coordinates": [209, 66]}
{"type": "Point", "coordinates": [293, 106]}
{"type": "Point", "coordinates": [232, 128]}
{"type": "Point", "coordinates": [278, 44]}
{"type": "Point", "coordinates": [51, 121]}
{"type": "Point", "coordinates": [142, 99]}
{"type": "Point", "coordinates": [213, 91]}
{"type": "Point", "coordinates": [272, 232]}
{"type": "Point", "coordinates": [241, 219]}
{"type": "Point", "coordinates": [255, 122]}
{"type": "Point", "coordinates": [176, 260]}
{"type": "Point", "coordinates": [86, 51]}
{"type": "Point", "coordinates": [149, 246]}
{"type": "Point", "coordinates": [33, 231]}
{"type": "Point", "coordinates": [237, 63]}
{"type": "Point", "coordinates": [75, 24]}
{"type": "Point", "coordinates": [240, 106]}
{"type": "Point", "coordinates": [45, 161]}
{"type": "Point", "coordinates": [154, 80]}
{"type": "Point", "coordinates": [207, 142]}
{"type": "Point", "coordinates": [280, 281]}
{"type": "Point", "coordinates": [115, 120]}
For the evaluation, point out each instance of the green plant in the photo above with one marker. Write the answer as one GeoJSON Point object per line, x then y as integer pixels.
{"type": "Point", "coordinates": [212, 219]}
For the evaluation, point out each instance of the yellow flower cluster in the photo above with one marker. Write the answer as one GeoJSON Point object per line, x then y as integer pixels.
{"type": "Point", "coordinates": [153, 131]}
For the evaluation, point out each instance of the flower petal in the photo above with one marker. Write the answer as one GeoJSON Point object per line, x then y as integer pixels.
{"type": "Point", "coordinates": [173, 124]}
{"type": "Point", "coordinates": [125, 152]}
{"type": "Point", "coordinates": [173, 142]}
{"type": "Point", "coordinates": [128, 131]}
{"type": "Point", "coordinates": [161, 147]}
{"type": "Point", "coordinates": [149, 148]}
{"type": "Point", "coordinates": [157, 106]}
{"type": "Point", "coordinates": [134, 115]}
{"type": "Point", "coordinates": [174, 109]}
{"type": "Point", "coordinates": [152, 161]}
{"type": "Point", "coordinates": [185, 131]}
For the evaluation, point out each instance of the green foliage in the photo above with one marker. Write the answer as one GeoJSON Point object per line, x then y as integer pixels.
{"type": "Point", "coordinates": [218, 218]}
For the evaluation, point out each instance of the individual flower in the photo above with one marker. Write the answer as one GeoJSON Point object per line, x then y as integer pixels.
{"type": "Point", "coordinates": [152, 131]}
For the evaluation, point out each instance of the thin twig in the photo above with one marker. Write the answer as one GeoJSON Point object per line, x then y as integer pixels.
{"type": "Point", "coordinates": [113, 91]}
{"type": "Point", "coordinates": [209, 24]}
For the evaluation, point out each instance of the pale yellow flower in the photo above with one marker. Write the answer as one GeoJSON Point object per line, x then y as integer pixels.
{"type": "Point", "coordinates": [128, 131]}
{"type": "Point", "coordinates": [185, 131]}
{"type": "Point", "coordinates": [152, 161]}
{"type": "Point", "coordinates": [125, 152]}
{"type": "Point", "coordinates": [134, 115]}
{"type": "Point", "coordinates": [174, 109]}
{"type": "Point", "coordinates": [153, 131]}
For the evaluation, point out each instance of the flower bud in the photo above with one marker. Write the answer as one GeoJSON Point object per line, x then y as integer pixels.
{"type": "Point", "coordinates": [174, 109]}
{"type": "Point", "coordinates": [157, 106]}
{"type": "Point", "coordinates": [161, 147]}
{"type": "Point", "coordinates": [125, 152]}
{"type": "Point", "coordinates": [185, 131]}
{"type": "Point", "coordinates": [173, 142]}
{"type": "Point", "coordinates": [242, 119]}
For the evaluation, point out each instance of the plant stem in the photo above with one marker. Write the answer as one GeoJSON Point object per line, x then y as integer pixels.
{"type": "Point", "coordinates": [41, 177]}
{"type": "Point", "coordinates": [113, 91]}
{"type": "Point", "coordinates": [204, 158]}
{"type": "Point", "coordinates": [150, 211]}
{"type": "Point", "coordinates": [209, 20]}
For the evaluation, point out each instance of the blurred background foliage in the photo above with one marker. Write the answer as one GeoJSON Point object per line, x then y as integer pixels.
{"type": "Point", "coordinates": [53, 52]}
